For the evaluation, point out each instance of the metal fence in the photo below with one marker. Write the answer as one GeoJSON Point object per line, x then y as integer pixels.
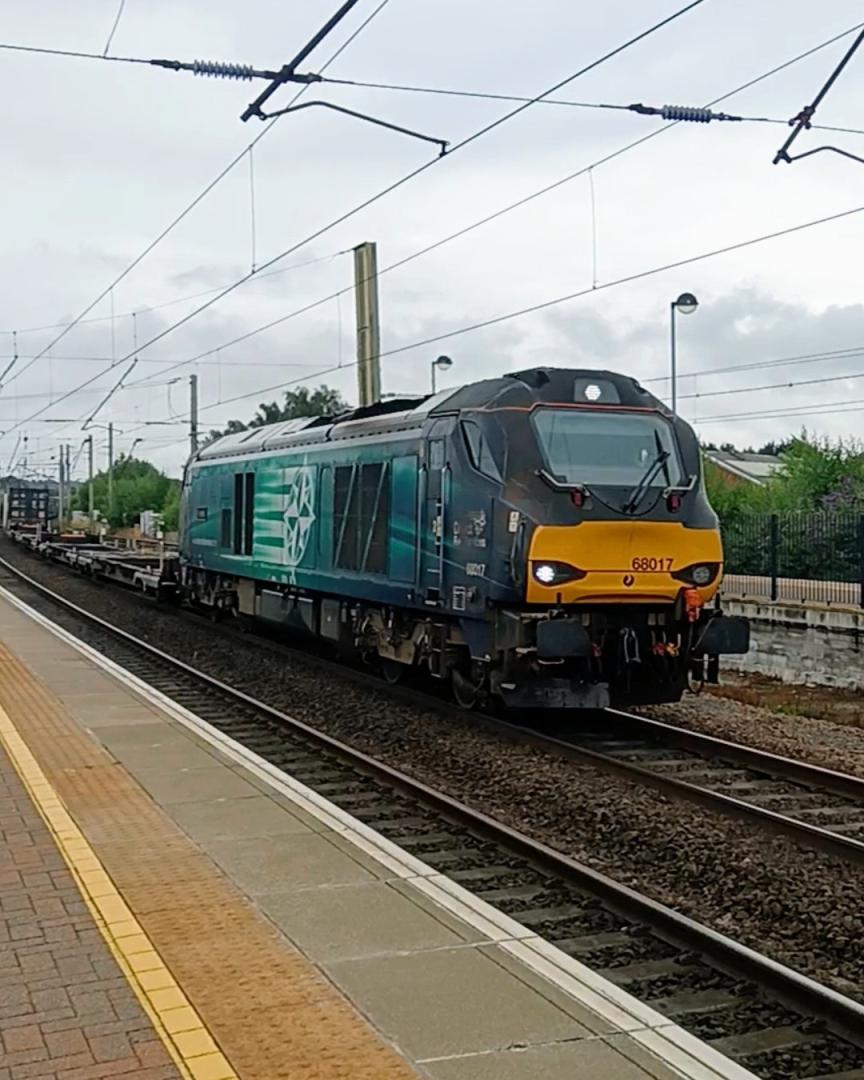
{"type": "Point", "coordinates": [796, 557]}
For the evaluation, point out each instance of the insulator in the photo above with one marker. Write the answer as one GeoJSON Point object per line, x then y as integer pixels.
{"type": "Point", "coordinates": [687, 112]}
{"type": "Point", "coordinates": [219, 70]}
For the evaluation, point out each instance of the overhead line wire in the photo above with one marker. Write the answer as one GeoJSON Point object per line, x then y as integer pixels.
{"type": "Point", "coordinates": [495, 320]}
{"type": "Point", "coordinates": [805, 358]}
{"type": "Point", "coordinates": [739, 89]}
{"type": "Point", "coordinates": [145, 309]}
{"type": "Point", "coordinates": [487, 96]}
{"type": "Point", "coordinates": [12, 47]}
{"type": "Point", "coordinates": [789, 410]}
{"type": "Point", "coordinates": [149, 360]}
{"type": "Point", "coordinates": [511, 206]}
{"type": "Point", "coordinates": [773, 386]}
{"type": "Point", "coordinates": [198, 199]}
{"type": "Point", "coordinates": [830, 408]}
{"type": "Point", "coordinates": [387, 190]}
{"type": "Point", "coordinates": [626, 279]}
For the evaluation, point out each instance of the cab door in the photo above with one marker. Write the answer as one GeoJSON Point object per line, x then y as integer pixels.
{"type": "Point", "coordinates": [435, 488]}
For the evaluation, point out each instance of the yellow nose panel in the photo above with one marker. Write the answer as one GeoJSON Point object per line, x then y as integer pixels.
{"type": "Point", "coordinates": [626, 562]}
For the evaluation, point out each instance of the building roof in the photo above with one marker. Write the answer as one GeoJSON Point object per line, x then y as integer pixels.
{"type": "Point", "coordinates": [756, 468]}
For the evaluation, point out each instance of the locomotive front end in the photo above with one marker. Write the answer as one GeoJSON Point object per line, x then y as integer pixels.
{"type": "Point", "coordinates": [621, 557]}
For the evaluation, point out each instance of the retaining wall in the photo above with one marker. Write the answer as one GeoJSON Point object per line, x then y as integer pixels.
{"type": "Point", "coordinates": [813, 644]}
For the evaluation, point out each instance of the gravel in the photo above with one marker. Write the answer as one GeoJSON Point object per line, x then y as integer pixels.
{"type": "Point", "coordinates": [821, 742]}
{"type": "Point", "coordinates": [799, 906]}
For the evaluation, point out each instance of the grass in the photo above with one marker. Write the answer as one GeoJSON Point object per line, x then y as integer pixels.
{"type": "Point", "coordinates": [816, 702]}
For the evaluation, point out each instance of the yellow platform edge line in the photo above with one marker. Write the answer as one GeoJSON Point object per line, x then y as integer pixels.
{"type": "Point", "coordinates": [177, 1022]}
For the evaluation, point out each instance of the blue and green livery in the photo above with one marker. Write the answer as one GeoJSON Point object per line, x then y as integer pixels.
{"type": "Point", "coordinates": [471, 534]}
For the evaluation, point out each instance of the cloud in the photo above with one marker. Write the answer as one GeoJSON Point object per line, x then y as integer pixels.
{"type": "Point", "coordinates": [118, 152]}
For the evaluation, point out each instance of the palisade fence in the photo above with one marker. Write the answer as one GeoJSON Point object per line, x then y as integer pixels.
{"type": "Point", "coordinates": [796, 557]}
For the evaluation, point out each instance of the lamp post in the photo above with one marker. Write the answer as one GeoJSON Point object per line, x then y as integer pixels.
{"type": "Point", "coordinates": [441, 364]}
{"type": "Point", "coordinates": [686, 304]}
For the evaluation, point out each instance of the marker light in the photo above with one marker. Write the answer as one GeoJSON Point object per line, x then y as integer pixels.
{"type": "Point", "coordinates": [701, 575]}
{"type": "Point", "coordinates": [545, 573]}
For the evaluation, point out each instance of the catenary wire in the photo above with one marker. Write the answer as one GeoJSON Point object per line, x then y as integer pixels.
{"type": "Point", "coordinates": [150, 360]}
{"type": "Point", "coordinates": [805, 358]}
{"type": "Point", "coordinates": [772, 386]}
{"type": "Point", "coordinates": [853, 406]}
{"type": "Point", "coordinates": [468, 140]}
{"type": "Point", "coordinates": [788, 410]}
{"type": "Point", "coordinates": [627, 279]}
{"type": "Point", "coordinates": [198, 199]}
{"type": "Point", "coordinates": [542, 191]}
{"type": "Point", "coordinates": [511, 206]}
{"type": "Point", "coordinates": [745, 86]}
{"type": "Point", "coordinates": [488, 96]}
{"type": "Point", "coordinates": [13, 47]}
{"type": "Point", "coordinates": [465, 142]}
{"type": "Point", "coordinates": [543, 305]}
{"type": "Point", "coordinates": [145, 309]}
{"type": "Point", "coordinates": [738, 90]}
{"type": "Point", "coordinates": [605, 285]}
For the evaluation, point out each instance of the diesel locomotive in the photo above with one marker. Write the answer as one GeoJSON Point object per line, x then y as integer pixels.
{"type": "Point", "coordinates": [542, 538]}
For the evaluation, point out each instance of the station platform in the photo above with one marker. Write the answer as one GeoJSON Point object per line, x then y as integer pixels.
{"type": "Point", "coordinates": [170, 908]}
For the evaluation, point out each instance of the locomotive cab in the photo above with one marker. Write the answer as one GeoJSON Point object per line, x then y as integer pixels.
{"type": "Point", "coordinates": [606, 534]}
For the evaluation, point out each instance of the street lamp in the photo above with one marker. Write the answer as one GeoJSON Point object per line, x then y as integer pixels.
{"type": "Point", "coordinates": [441, 364]}
{"type": "Point", "coordinates": [686, 304]}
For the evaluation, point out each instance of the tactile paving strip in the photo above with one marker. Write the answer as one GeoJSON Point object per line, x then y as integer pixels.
{"type": "Point", "coordinates": [270, 1011]}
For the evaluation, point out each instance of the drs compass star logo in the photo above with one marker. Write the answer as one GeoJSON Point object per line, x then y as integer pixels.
{"type": "Point", "coordinates": [299, 514]}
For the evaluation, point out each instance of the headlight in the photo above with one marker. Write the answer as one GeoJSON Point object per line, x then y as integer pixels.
{"type": "Point", "coordinates": [555, 573]}
{"type": "Point", "coordinates": [698, 574]}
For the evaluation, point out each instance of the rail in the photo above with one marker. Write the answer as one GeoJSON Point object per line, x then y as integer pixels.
{"type": "Point", "coordinates": [843, 1015]}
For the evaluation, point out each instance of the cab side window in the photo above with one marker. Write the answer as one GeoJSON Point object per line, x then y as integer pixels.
{"type": "Point", "coordinates": [479, 450]}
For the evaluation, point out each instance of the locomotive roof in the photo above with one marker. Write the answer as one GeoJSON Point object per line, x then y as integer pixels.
{"type": "Point", "coordinates": [521, 389]}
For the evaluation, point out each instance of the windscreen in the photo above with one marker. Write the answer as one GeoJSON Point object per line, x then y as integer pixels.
{"type": "Point", "coordinates": [614, 449]}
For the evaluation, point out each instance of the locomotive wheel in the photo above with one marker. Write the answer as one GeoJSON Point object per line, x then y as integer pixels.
{"type": "Point", "coordinates": [392, 670]}
{"type": "Point", "coordinates": [466, 694]}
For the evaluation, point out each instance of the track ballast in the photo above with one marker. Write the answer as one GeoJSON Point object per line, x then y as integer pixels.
{"type": "Point", "coordinates": [771, 1019]}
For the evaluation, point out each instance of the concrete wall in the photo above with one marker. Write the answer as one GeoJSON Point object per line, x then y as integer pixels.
{"type": "Point", "coordinates": [813, 644]}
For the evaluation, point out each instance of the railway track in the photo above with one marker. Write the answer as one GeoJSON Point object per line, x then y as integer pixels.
{"type": "Point", "coordinates": [776, 1022]}
{"type": "Point", "coordinates": [814, 806]}
{"type": "Point", "coordinates": [818, 807]}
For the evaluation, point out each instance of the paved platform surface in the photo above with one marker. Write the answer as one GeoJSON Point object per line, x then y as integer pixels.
{"type": "Point", "coordinates": [171, 910]}
{"type": "Point", "coordinates": [66, 1008]}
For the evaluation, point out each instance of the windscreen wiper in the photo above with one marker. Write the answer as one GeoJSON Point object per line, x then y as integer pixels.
{"type": "Point", "coordinates": [638, 493]}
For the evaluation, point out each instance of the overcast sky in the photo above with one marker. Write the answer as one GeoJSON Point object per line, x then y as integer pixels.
{"type": "Point", "coordinates": [97, 158]}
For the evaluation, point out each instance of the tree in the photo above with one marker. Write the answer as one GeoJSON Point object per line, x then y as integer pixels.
{"type": "Point", "coordinates": [776, 447]}
{"type": "Point", "coordinates": [171, 507]}
{"type": "Point", "coordinates": [324, 401]}
{"type": "Point", "coordinates": [138, 486]}
{"type": "Point", "coordinates": [815, 474]}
